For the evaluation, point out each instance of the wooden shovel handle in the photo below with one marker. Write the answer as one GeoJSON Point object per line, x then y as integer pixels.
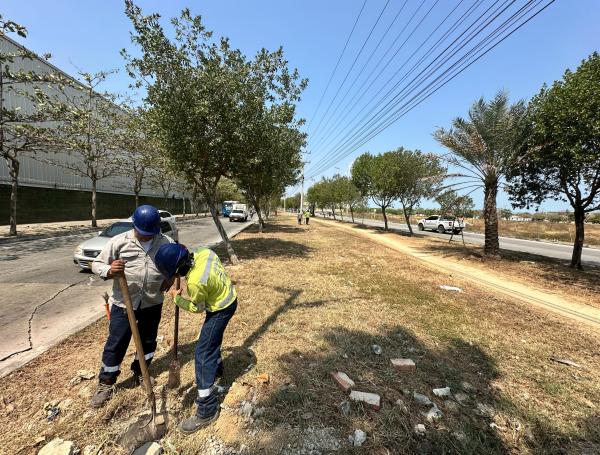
{"type": "Point", "coordinates": [137, 339]}
{"type": "Point", "coordinates": [176, 327]}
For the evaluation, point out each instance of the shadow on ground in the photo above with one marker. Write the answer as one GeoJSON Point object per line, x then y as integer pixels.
{"type": "Point", "coordinates": [266, 247]}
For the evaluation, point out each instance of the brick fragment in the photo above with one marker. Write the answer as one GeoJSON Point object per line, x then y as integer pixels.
{"type": "Point", "coordinates": [342, 380]}
{"type": "Point", "coordinates": [403, 365]}
{"type": "Point", "coordinates": [372, 399]}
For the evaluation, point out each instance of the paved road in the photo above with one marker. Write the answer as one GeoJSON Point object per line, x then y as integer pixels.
{"type": "Point", "coordinates": [552, 250]}
{"type": "Point", "coordinates": [42, 287]}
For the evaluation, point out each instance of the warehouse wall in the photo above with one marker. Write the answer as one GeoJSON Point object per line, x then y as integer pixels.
{"type": "Point", "coordinates": [41, 205]}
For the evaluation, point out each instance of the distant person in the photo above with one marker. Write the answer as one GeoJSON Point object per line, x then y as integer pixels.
{"type": "Point", "coordinates": [299, 216]}
{"type": "Point", "coordinates": [209, 290]}
{"type": "Point", "coordinates": [133, 253]}
{"type": "Point", "coordinates": [307, 215]}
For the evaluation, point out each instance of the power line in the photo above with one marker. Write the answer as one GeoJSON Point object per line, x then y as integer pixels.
{"type": "Point", "coordinates": [353, 63]}
{"type": "Point", "coordinates": [349, 137]}
{"type": "Point", "coordinates": [435, 85]}
{"type": "Point", "coordinates": [337, 64]}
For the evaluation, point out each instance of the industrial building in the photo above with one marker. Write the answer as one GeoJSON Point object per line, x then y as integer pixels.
{"type": "Point", "coordinates": [48, 192]}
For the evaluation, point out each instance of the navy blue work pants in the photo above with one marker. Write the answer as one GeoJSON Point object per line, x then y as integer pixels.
{"type": "Point", "coordinates": [209, 364]}
{"type": "Point", "coordinates": [119, 335]}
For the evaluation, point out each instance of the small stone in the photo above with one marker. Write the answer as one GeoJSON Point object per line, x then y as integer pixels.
{"type": "Point", "coordinates": [403, 365]}
{"type": "Point", "coordinates": [450, 288]}
{"type": "Point", "coordinates": [307, 415]}
{"type": "Point", "coordinates": [420, 429]}
{"type": "Point", "coordinates": [39, 440]}
{"type": "Point", "coordinates": [58, 447]}
{"type": "Point", "coordinates": [485, 410]}
{"type": "Point", "coordinates": [466, 386]}
{"type": "Point", "coordinates": [342, 380]}
{"type": "Point", "coordinates": [345, 356]}
{"type": "Point", "coordinates": [422, 399]}
{"type": "Point", "coordinates": [246, 409]}
{"type": "Point", "coordinates": [263, 378]}
{"type": "Point", "coordinates": [442, 392]}
{"type": "Point", "coordinates": [376, 349]}
{"type": "Point", "coordinates": [461, 397]}
{"type": "Point", "coordinates": [400, 403]}
{"type": "Point", "coordinates": [150, 448]}
{"type": "Point", "coordinates": [433, 414]}
{"type": "Point", "coordinates": [89, 450]}
{"type": "Point", "coordinates": [371, 399]}
{"type": "Point", "coordinates": [345, 408]}
{"type": "Point", "coordinates": [406, 392]}
{"type": "Point", "coordinates": [359, 438]}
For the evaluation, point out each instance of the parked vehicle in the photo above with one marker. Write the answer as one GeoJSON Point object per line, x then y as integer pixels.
{"type": "Point", "coordinates": [164, 215]}
{"type": "Point", "coordinates": [227, 207]}
{"type": "Point", "coordinates": [239, 213]}
{"type": "Point", "coordinates": [86, 251]}
{"type": "Point", "coordinates": [441, 224]}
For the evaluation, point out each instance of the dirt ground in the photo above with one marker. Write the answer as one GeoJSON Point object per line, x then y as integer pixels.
{"type": "Point", "coordinates": [314, 299]}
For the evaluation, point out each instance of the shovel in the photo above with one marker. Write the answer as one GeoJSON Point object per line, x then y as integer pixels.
{"type": "Point", "coordinates": [175, 367]}
{"type": "Point", "coordinates": [155, 428]}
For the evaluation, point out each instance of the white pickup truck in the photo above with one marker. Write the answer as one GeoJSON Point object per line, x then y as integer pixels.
{"type": "Point", "coordinates": [442, 224]}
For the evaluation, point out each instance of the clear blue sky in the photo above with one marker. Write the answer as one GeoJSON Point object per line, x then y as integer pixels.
{"type": "Point", "coordinates": [89, 35]}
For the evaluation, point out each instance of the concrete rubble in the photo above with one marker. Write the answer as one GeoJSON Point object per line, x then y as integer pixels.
{"type": "Point", "coordinates": [343, 380]}
{"type": "Point", "coordinates": [372, 399]}
{"type": "Point", "coordinates": [403, 365]}
{"type": "Point", "coordinates": [58, 447]}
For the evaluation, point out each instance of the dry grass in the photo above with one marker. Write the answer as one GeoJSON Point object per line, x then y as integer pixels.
{"type": "Point", "coordinates": [312, 300]}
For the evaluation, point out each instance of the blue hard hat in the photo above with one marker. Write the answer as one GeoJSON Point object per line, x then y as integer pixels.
{"type": "Point", "coordinates": [170, 257]}
{"type": "Point", "coordinates": [146, 220]}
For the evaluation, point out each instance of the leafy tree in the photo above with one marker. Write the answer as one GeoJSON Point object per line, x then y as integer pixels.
{"type": "Point", "coordinates": [481, 146]}
{"type": "Point", "coordinates": [87, 130]}
{"type": "Point", "coordinates": [349, 195]}
{"type": "Point", "coordinates": [20, 128]}
{"type": "Point", "coordinates": [561, 158]}
{"type": "Point", "coordinates": [505, 214]}
{"type": "Point", "coordinates": [417, 176]}
{"type": "Point", "coordinates": [293, 202]}
{"type": "Point", "coordinates": [453, 203]}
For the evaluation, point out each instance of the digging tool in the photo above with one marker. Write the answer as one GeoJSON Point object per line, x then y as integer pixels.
{"type": "Point", "coordinates": [140, 432]}
{"type": "Point", "coordinates": [105, 297]}
{"type": "Point", "coordinates": [175, 367]}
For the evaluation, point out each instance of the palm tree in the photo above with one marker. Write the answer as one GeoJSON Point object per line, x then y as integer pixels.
{"type": "Point", "coordinates": [481, 146]}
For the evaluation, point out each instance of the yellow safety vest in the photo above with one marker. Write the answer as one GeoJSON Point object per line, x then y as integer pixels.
{"type": "Point", "coordinates": [208, 284]}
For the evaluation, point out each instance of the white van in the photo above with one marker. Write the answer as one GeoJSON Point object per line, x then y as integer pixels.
{"type": "Point", "coordinates": [239, 212]}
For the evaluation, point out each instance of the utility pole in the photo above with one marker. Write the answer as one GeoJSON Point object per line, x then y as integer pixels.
{"type": "Point", "coordinates": [302, 192]}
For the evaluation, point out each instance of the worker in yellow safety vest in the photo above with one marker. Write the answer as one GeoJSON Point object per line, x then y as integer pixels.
{"type": "Point", "coordinates": [209, 289]}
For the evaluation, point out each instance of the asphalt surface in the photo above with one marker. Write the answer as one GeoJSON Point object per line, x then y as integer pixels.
{"type": "Point", "coordinates": [589, 256]}
{"type": "Point", "coordinates": [46, 297]}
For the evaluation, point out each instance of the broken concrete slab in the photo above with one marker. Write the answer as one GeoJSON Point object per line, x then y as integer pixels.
{"type": "Point", "coordinates": [433, 414]}
{"type": "Point", "coordinates": [372, 399]}
{"type": "Point", "coordinates": [450, 288]}
{"type": "Point", "coordinates": [442, 392]}
{"type": "Point", "coordinates": [422, 399]}
{"type": "Point", "coordinates": [150, 448]}
{"type": "Point", "coordinates": [343, 380]}
{"type": "Point", "coordinates": [403, 365]}
{"type": "Point", "coordinates": [58, 447]}
{"type": "Point", "coordinates": [420, 429]}
{"type": "Point", "coordinates": [358, 438]}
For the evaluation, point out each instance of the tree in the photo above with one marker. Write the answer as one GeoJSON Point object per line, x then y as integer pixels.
{"type": "Point", "coordinates": [561, 157]}
{"type": "Point", "coordinates": [137, 148]}
{"type": "Point", "coordinates": [417, 176]}
{"type": "Point", "coordinates": [380, 177]}
{"type": "Point", "coordinates": [20, 128]}
{"type": "Point", "coordinates": [349, 194]}
{"type": "Point", "coordinates": [88, 131]}
{"type": "Point", "coordinates": [201, 93]}
{"type": "Point", "coordinates": [453, 203]}
{"type": "Point", "coordinates": [505, 214]}
{"type": "Point", "coordinates": [482, 146]}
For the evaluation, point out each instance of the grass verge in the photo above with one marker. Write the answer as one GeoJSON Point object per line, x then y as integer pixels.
{"type": "Point", "coordinates": [313, 299]}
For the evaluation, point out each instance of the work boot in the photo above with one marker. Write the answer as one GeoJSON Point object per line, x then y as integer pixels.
{"type": "Point", "coordinates": [195, 423]}
{"type": "Point", "coordinates": [104, 392]}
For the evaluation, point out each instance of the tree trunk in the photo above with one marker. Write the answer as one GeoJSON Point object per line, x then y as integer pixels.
{"type": "Point", "coordinates": [14, 178]}
{"type": "Point", "coordinates": [407, 218]}
{"type": "Point", "coordinates": [579, 237]}
{"type": "Point", "coordinates": [385, 221]}
{"type": "Point", "coordinates": [210, 199]}
{"type": "Point", "coordinates": [183, 200]}
{"type": "Point", "coordinates": [137, 199]}
{"type": "Point", "coordinates": [490, 217]}
{"type": "Point", "coordinates": [333, 211]}
{"type": "Point", "coordinates": [94, 221]}
{"type": "Point", "coordinates": [261, 221]}
{"type": "Point", "coordinates": [352, 213]}
{"type": "Point", "coordinates": [341, 213]}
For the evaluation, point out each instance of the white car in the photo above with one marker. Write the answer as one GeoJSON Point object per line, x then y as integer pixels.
{"type": "Point", "coordinates": [164, 215]}
{"type": "Point", "coordinates": [441, 224]}
{"type": "Point", "coordinates": [87, 251]}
